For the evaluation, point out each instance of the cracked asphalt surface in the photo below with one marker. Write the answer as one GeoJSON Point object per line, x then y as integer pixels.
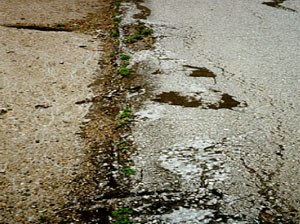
{"type": "Point", "coordinates": [218, 136]}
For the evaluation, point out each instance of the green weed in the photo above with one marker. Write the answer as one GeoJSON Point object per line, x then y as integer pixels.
{"type": "Point", "coordinates": [119, 143]}
{"type": "Point", "coordinates": [128, 171]}
{"type": "Point", "coordinates": [123, 123]}
{"type": "Point", "coordinates": [122, 211]}
{"type": "Point", "coordinates": [60, 24]}
{"type": "Point", "coordinates": [115, 34]}
{"type": "Point", "coordinates": [124, 71]}
{"type": "Point", "coordinates": [121, 216]}
{"type": "Point", "coordinates": [126, 113]}
{"type": "Point", "coordinates": [124, 57]}
{"type": "Point", "coordinates": [117, 19]}
{"type": "Point", "coordinates": [134, 38]}
{"type": "Point", "coordinates": [146, 32]}
{"type": "Point", "coordinates": [123, 147]}
{"type": "Point", "coordinates": [124, 64]}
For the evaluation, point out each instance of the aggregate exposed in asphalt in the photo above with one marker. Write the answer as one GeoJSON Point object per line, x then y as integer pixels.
{"type": "Point", "coordinates": [218, 136]}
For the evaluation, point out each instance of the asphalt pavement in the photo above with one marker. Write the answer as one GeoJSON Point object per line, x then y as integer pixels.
{"type": "Point", "coordinates": [218, 136]}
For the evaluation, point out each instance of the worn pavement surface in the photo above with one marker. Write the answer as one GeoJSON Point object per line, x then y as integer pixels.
{"type": "Point", "coordinates": [218, 136]}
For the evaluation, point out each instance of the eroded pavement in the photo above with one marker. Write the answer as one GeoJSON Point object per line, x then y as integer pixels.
{"type": "Point", "coordinates": [218, 135]}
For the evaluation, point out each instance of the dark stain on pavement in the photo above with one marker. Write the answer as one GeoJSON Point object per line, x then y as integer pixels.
{"type": "Point", "coordinates": [277, 4]}
{"type": "Point", "coordinates": [226, 102]}
{"type": "Point", "coordinates": [145, 12]}
{"type": "Point", "coordinates": [39, 27]}
{"type": "Point", "coordinates": [174, 98]}
{"type": "Point", "coordinates": [201, 72]}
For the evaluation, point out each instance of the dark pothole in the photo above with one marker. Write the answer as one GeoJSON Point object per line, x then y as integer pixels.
{"type": "Point", "coordinates": [174, 98]}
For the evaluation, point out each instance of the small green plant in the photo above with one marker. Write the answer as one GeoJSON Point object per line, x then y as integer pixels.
{"type": "Point", "coordinates": [141, 27]}
{"type": "Point", "coordinates": [130, 40]}
{"type": "Point", "coordinates": [119, 143]}
{"type": "Point", "coordinates": [124, 64]}
{"type": "Point", "coordinates": [124, 71]}
{"type": "Point", "coordinates": [134, 38]}
{"type": "Point", "coordinates": [60, 24]}
{"type": "Point", "coordinates": [123, 123]}
{"type": "Point", "coordinates": [126, 113]}
{"type": "Point", "coordinates": [115, 34]}
{"type": "Point", "coordinates": [123, 220]}
{"type": "Point", "coordinates": [117, 19]}
{"type": "Point", "coordinates": [123, 147]}
{"type": "Point", "coordinates": [146, 32]}
{"type": "Point", "coordinates": [122, 211]}
{"type": "Point", "coordinates": [128, 171]}
{"type": "Point", "coordinates": [124, 57]}
{"type": "Point", "coordinates": [121, 216]}
{"type": "Point", "coordinates": [137, 37]}
{"type": "Point", "coordinates": [43, 219]}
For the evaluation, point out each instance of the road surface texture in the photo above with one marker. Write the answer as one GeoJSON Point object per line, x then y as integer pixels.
{"type": "Point", "coordinates": [42, 76]}
{"type": "Point", "coordinates": [218, 135]}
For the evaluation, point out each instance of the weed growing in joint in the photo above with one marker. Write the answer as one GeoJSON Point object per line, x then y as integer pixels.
{"type": "Point", "coordinates": [126, 113]}
{"type": "Point", "coordinates": [124, 57]}
{"type": "Point", "coordinates": [123, 147]}
{"type": "Point", "coordinates": [125, 117]}
{"type": "Point", "coordinates": [123, 123]}
{"type": "Point", "coordinates": [60, 24]}
{"type": "Point", "coordinates": [117, 19]}
{"type": "Point", "coordinates": [142, 30]}
{"type": "Point", "coordinates": [115, 34]}
{"type": "Point", "coordinates": [119, 143]}
{"type": "Point", "coordinates": [124, 64]}
{"type": "Point", "coordinates": [122, 211]}
{"type": "Point", "coordinates": [134, 38]}
{"type": "Point", "coordinates": [121, 216]}
{"type": "Point", "coordinates": [146, 32]}
{"type": "Point", "coordinates": [124, 71]}
{"type": "Point", "coordinates": [128, 171]}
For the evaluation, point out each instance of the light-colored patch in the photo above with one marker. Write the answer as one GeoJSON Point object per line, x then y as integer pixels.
{"type": "Point", "coordinates": [42, 76]}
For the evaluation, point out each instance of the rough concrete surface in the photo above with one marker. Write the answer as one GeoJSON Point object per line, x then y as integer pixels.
{"type": "Point", "coordinates": [42, 76]}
